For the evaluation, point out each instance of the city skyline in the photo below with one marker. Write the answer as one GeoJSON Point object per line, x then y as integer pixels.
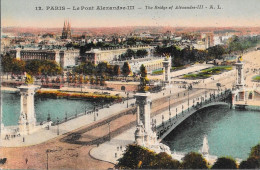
{"type": "Point", "coordinates": [233, 13]}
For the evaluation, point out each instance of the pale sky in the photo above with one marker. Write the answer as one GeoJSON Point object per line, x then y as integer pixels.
{"type": "Point", "coordinates": [22, 13]}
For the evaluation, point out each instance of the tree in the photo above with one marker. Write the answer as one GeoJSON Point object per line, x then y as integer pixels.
{"type": "Point", "coordinates": [129, 54]}
{"type": "Point", "coordinates": [165, 161]}
{"type": "Point", "coordinates": [102, 68]}
{"type": "Point", "coordinates": [88, 68]}
{"type": "Point", "coordinates": [250, 163]}
{"type": "Point", "coordinates": [225, 163]}
{"type": "Point", "coordinates": [194, 160]}
{"type": "Point", "coordinates": [216, 51]}
{"type": "Point", "coordinates": [116, 70]}
{"type": "Point", "coordinates": [12, 65]}
{"type": "Point", "coordinates": [143, 79]}
{"type": "Point", "coordinates": [18, 66]}
{"type": "Point", "coordinates": [46, 67]}
{"type": "Point", "coordinates": [81, 79]}
{"type": "Point", "coordinates": [7, 62]}
{"type": "Point", "coordinates": [141, 53]}
{"type": "Point", "coordinates": [137, 157]}
{"type": "Point", "coordinates": [126, 70]}
{"type": "Point", "coordinates": [255, 152]}
{"type": "Point", "coordinates": [92, 80]}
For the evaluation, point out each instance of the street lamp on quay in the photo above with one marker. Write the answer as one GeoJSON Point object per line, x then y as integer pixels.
{"type": "Point", "coordinates": [162, 118]}
{"type": "Point", "coordinates": [188, 100]}
{"type": "Point", "coordinates": [58, 130]}
{"type": "Point", "coordinates": [94, 112]}
{"type": "Point", "coordinates": [109, 131]}
{"type": "Point", "coordinates": [169, 107]}
{"type": "Point", "coordinates": [47, 160]}
{"type": "Point", "coordinates": [127, 98]}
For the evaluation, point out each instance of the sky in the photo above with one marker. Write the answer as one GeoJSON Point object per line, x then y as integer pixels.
{"type": "Point", "coordinates": [23, 13]}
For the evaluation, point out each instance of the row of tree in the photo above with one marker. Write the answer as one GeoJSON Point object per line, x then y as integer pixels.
{"type": "Point", "coordinates": [33, 67]}
{"type": "Point", "coordinates": [189, 55]}
{"type": "Point", "coordinates": [129, 54]}
{"type": "Point", "coordinates": [103, 69]}
{"type": "Point", "coordinates": [182, 57]}
{"type": "Point", "coordinates": [137, 157]}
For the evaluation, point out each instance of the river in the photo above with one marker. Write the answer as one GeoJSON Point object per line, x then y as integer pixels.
{"type": "Point", "coordinates": [229, 132]}
{"type": "Point", "coordinates": [43, 107]}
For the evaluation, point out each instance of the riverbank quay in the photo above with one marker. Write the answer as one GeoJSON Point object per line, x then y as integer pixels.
{"type": "Point", "coordinates": [76, 90]}
{"type": "Point", "coordinates": [78, 95]}
{"type": "Point", "coordinates": [58, 129]}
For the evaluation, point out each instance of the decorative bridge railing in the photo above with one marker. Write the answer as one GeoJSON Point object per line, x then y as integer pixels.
{"type": "Point", "coordinates": [167, 126]}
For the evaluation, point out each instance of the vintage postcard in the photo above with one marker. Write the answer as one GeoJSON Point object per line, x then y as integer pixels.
{"type": "Point", "coordinates": [130, 84]}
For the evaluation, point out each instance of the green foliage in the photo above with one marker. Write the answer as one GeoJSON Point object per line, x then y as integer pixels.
{"type": "Point", "coordinates": [10, 64]}
{"type": "Point", "coordinates": [165, 161]}
{"type": "Point", "coordinates": [157, 72]}
{"type": "Point", "coordinates": [182, 57]}
{"type": "Point", "coordinates": [141, 53]}
{"type": "Point", "coordinates": [255, 152]}
{"type": "Point", "coordinates": [193, 160]}
{"type": "Point", "coordinates": [88, 46]}
{"type": "Point", "coordinates": [86, 68]}
{"type": "Point", "coordinates": [7, 62]}
{"type": "Point", "coordinates": [225, 163]}
{"type": "Point", "coordinates": [208, 72]}
{"type": "Point", "coordinates": [256, 78]}
{"type": "Point", "coordinates": [102, 68]}
{"type": "Point", "coordinates": [143, 79]}
{"type": "Point", "coordinates": [116, 70]}
{"type": "Point", "coordinates": [137, 157]}
{"type": "Point", "coordinates": [216, 51]}
{"type": "Point", "coordinates": [45, 67]}
{"type": "Point", "coordinates": [129, 54]}
{"type": "Point", "coordinates": [240, 44]}
{"type": "Point", "coordinates": [126, 70]}
{"type": "Point", "coordinates": [18, 66]}
{"type": "Point", "coordinates": [250, 163]}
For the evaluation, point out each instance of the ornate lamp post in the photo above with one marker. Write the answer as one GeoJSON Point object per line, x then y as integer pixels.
{"type": "Point", "coordinates": [162, 119]}
{"type": "Point", "coordinates": [127, 98]}
{"type": "Point", "coordinates": [94, 111]}
{"type": "Point", "coordinates": [109, 131]}
{"type": "Point", "coordinates": [58, 130]}
{"type": "Point", "coordinates": [188, 100]}
{"type": "Point", "coordinates": [169, 108]}
{"type": "Point", "coordinates": [47, 163]}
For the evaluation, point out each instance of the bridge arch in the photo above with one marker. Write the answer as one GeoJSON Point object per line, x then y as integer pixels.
{"type": "Point", "coordinates": [166, 128]}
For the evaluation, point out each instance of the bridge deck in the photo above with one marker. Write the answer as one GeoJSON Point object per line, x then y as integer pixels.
{"type": "Point", "coordinates": [165, 127]}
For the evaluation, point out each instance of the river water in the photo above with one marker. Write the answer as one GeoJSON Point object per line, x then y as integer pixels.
{"type": "Point", "coordinates": [43, 107]}
{"type": "Point", "coordinates": [229, 132]}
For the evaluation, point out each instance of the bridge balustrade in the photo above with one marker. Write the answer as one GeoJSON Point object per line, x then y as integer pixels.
{"type": "Point", "coordinates": [166, 125]}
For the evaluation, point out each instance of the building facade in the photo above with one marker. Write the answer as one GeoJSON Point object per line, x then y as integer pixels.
{"type": "Point", "coordinates": [110, 54]}
{"type": "Point", "coordinates": [63, 57]}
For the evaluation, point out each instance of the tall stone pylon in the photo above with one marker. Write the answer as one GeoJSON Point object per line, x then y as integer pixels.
{"type": "Point", "coordinates": [143, 122]}
{"type": "Point", "coordinates": [144, 135]}
{"type": "Point", "coordinates": [166, 69]}
{"type": "Point", "coordinates": [27, 121]}
{"type": "Point", "coordinates": [240, 75]}
{"type": "Point", "coordinates": [239, 93]}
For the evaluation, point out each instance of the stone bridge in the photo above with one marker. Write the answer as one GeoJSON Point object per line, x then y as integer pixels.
{"type": "Point", "coordinates": [222, 98]}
